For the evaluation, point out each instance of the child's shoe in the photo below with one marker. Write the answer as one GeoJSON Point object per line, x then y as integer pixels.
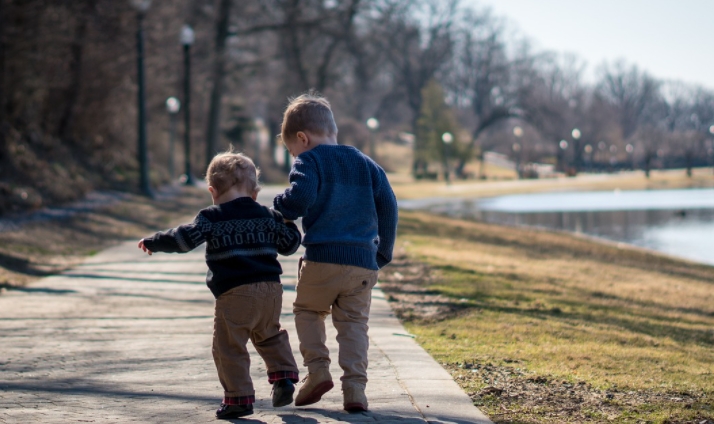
{"type": "Point", "coordinates": [283, 392]}
{"type": "Point", "coordinates": [354, 398]}
{"type": "Point", "coordinates": [228, 412]}
{"type": "Point", "coordinates": [315, 385]}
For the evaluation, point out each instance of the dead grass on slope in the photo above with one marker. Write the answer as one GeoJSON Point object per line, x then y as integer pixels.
{"type": "Point", "coordinates": [540, 326]}
{"type": "Point", "coordinates": [38, 249]}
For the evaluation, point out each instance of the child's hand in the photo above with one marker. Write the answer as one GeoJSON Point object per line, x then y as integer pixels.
{"type": "Point", "coordinates": [143, 247]}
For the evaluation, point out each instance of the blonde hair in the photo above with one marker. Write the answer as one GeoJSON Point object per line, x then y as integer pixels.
{"type": "Point", "coordinates": [308, 112]}
{"type": "Point", "coordinates": [229, 168]}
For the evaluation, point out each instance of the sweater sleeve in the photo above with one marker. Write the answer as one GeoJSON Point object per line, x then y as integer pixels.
{"type": "Point", "coordinates": [289, 237]}
{"type": "Point", "coordinates": [302, 192]}
{"type": "Point", "coordinates": [387, 217]}
{"type": "Point", "coordinates": [181, 239]}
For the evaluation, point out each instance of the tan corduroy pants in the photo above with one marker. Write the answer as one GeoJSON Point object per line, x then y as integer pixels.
{"type": "Point", "coordinates": [346, 292]}
{"type": "Point", "coordinates": [249, 312]}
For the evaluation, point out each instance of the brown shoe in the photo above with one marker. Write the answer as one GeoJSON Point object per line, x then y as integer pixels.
{"type": "Point", "coordinates": [355, 399]}
{"type": "Point", "coordinates": [315, 385]}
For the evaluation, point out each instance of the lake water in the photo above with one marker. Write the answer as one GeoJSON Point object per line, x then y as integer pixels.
{"type": "Point", "coordinates": [676, 222]}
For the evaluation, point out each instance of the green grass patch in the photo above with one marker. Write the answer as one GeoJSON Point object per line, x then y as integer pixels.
{"type": "Point", "coordinates": [635, 330]}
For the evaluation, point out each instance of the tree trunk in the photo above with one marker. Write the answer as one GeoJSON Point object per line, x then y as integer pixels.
{"type": "Point", "coordinates": [75, 69]}
{"type": "Point", "coordinates": [214, 114]}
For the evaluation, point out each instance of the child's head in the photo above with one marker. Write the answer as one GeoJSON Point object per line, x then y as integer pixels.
{"type": "Point", "coordinates": [308, 113]}
{"type": "Point", "coordinates": [231, 169]}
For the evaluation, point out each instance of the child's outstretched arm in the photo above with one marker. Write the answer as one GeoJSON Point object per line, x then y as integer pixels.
{"type": "Point", "coordinates": [181, 239]}
{"type": "Point", "coordinates": [302, 193]}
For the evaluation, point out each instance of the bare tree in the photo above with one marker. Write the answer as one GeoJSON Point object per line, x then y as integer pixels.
{"type": "Point", "coordinates": [418, 49]}
{"type": "Point", "coordinates": [218, 72]}
{"type": "Point", "coordinates": [552, 98]}
{"type": "Point", "coordinates": [630, 91]}
{"type": "Point", "coordinates": [480, 78]}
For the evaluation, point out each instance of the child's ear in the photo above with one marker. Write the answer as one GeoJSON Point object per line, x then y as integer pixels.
{"type": "Point", "coordinates": [303, 138]}
{"type": "Point", "coordinates": [212, 191]}
{"type": "Point", "coordinates": [254, 195]}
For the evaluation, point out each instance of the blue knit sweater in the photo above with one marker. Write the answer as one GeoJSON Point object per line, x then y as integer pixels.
{"type": "Point", "coordinates": [348, 208]}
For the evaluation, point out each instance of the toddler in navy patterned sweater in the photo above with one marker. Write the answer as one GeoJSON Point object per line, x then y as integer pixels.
{"type": "Point", "coordinates": [242, 240]}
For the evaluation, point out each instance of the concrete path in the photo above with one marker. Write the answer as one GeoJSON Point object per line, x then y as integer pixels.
{"type": "Point", "coordinates": [127, 338]}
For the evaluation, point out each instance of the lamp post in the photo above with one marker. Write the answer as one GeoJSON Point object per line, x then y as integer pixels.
{"type": "Point", "coordinates": [588, 149]}
{"type": "Point", "coordinates": [173, 105]}
{"type": "Point", "coordinates": [187, 39]}
{"type": "Point", "coordinates": [563, 147]}
{"type": "Point", "coordinates": [630, 149]}
{"type": "Point", "coordinates": [576, 147]}
{"type": "Point", "coordinates": [711, 149]}
{"type": "Point", "coordinates": [518, 132]}
{"type": "Point", "coordinates": [447, 138]}
{"type": "Point", "coordinates": [373, 125]}
{"type": "Point", "coordinates": [141, 6]}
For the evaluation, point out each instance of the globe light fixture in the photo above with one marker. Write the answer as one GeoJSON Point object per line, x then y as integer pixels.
{"type": "Point", "coordinates": [173, 105]}
{"type": "Point", "coordinates": [575, 133]}
{"type": "Point", "coordinates": [447, 137]}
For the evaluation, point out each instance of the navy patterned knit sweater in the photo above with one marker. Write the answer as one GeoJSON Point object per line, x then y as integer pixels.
{"type": "Point", "coordinates": [348, 207]}
{"type": "Point", "coordinates": [242, 239]}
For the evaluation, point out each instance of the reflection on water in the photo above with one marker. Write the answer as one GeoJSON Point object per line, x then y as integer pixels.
{"type": "Point", "coordinates": [678, 222]}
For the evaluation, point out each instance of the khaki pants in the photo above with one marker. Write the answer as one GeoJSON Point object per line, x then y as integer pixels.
{"type": "Point", "coordinates": [250, 311]}
{"type": "Point", "coordinates": [346, 292]}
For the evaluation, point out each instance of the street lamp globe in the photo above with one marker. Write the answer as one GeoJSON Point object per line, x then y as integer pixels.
{"type": "Point", "coordinates": [575, 133]}
{"type": "Point", "coordinates": [447, 137]}
{"type": "Point", "coordinates": [173, 105]}
{"type": "Point", "coordinates": [563, 144]}
{"type": "Point", "coordinates": [629, 148]}
{"type": "Point", "coordinates": [588, 149]}
{"type": "Point", "coordinates": [711, 130]}
{"type": "Point", "coordinates": [373, 124]}
{"type": "Point", "coordinates": [140, 5]}
{"type": "Point", "coordinates": [518, 132]}
{"type": "Point", "coordinates": [187, 35]}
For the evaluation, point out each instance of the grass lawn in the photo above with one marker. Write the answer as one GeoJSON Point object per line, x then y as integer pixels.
{"type": "Point", "coordinates": [548, 327]}
{"type": "Point", "coordinates": [406, 188]}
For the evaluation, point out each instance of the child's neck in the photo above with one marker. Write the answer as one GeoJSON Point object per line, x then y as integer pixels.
{"type": "Point", "coordinates": [316, 140]}
{"type": "Point", "coordinates": [231, 194]}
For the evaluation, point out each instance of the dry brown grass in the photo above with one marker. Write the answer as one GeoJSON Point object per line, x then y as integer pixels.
{"type": "Point", "coordinates": [566, 308]}
{"type": "Point", "coordinates": [407, 188]}
{"type": "Point", "coordinates": [43, 248]}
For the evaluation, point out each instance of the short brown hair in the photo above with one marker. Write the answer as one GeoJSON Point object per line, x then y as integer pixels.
{"type": "Point", "coordinates": [308, 112]}
{"type": "Point", "coordinates": [229, 168]}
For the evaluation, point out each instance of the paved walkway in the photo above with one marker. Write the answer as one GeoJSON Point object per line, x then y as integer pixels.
{"type": "Point", "coordinates": [127, 338]}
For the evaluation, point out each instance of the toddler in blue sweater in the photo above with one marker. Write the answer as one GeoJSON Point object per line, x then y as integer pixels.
{"type": "Point", "coordinates": [349, 218]}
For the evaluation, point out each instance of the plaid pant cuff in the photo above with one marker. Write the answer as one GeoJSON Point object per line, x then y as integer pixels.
{"type": "Point", "coordinates": [282, 375]}
{"type": "Point", "coordinates": [240, 400]}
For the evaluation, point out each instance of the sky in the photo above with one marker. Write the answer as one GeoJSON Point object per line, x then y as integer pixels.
{"type": "Point", "coordinates": [670, 39]}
